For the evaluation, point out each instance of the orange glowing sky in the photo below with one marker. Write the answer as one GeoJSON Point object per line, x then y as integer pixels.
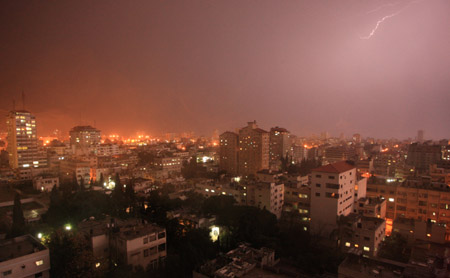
{"type": "Point", "coordinates": [172, 66]}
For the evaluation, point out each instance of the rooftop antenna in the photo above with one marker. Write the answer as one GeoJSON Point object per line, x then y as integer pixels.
{"type": "Point", "coordinates": [23, 100]}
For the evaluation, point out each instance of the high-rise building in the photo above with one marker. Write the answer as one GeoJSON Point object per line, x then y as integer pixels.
{"type": "Point", "coordinates": [420, 136]}
{"type": "Point", "coordinates": [84, 139]}
{"type": "Point", "coordinates": [228, 152]}
{"type": "Point", "coordinates": [22, 140]}
{"type": "Point", "coordinates": [279, 144]}
{"type": "Point", "coordinates": [253, 153]}
{"type": "Point", "coordinates": [332, 195]}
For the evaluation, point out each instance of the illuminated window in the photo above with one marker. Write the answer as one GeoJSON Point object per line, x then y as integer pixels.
{"type": "Point", "coordinates": [366, 248]}
{"type": "Point", "coordinates": [356, 245]}
{"type": "Point", "coordinates": [40, 262]}
{"type": "Point", "coordinates": [391, 200]}
{"type": "Point", "coordinates": [347, 244]}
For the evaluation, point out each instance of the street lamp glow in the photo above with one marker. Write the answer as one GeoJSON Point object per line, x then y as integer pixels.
{"type": "Point", "coordinates": [39, 235]}
{"type": "Point", "coordinates": [68, 227]}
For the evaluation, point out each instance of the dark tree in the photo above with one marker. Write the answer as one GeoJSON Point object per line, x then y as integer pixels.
{"type": "Point", "coordinates": [82, 187]}
{"type": "Point", "coordinates": [18, 226]}
{"type": "Point", "coordinates": [102, 179]}
{"type": "Point", "coordinates": [71, 256]}
{"type": "Point", "coordinates": [75, 185]}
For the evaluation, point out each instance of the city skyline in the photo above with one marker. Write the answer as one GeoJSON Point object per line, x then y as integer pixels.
{"type": "Point", "coordinates": [379, 69]}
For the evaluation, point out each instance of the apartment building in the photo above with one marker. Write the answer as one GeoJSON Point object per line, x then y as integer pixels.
{"type": "Point", "coordinates": [24, 256]}
{"type": "Point", "coordinates": [70, 167]}
{"type": "Point", "coordinates": [171, 164]}
{"type": "Point", "coordinates": [253, 152]}
{"type": "Point", "coordinates": [45, 183]}
{"type": "Point", "coordinates": [22, 140]}
{"type": "Point", "coordinates": [280, 144]}
{"type": "Point", "coordinates": [414, 199]}
{"type": "Point", "coordinates": [268, 195]}
{"type": "Point", "coordinates": [332, 195]}
{"type": "Point", "coordinates": [362, 234]}
{"type": "Point", "coordinates": [128, 242]}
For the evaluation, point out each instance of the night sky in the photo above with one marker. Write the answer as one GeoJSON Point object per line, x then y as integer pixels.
{"type": "Point", "coordinates": [172, 66]}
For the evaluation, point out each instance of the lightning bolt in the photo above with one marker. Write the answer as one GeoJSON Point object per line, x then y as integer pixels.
{"type": "Point", "coordinates": [378, 25]}
{"type": "Point", "coordinates": [386, 17]}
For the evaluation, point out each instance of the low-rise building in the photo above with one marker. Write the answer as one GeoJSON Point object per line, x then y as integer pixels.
{"type": "Point", "coordinates": [371, 207]}
{"type": "Point", "coordinates": [413, 229]}
{"type": "Point", "coordinates": [129, 242]}
{"type": "Point", "coordinates": [361, 234]}
{"type": "Point", "coordinates": [240, 262]}
{"type": "Point", "coordinates": [268, 195]}
{"type": "Point", "coordinates": [45, 183]}
{"type": "Point", "coordinates": [24, 256]}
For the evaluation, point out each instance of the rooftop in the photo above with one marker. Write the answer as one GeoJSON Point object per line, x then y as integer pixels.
{"type": "Point", "coordinates": [130, 232]}
{"type": "Point", "coordinates": [84, 128]}
{"type": "Point", "coordinates": [338, 167]}
{"type": "Point", "coordinates": [19, 247]}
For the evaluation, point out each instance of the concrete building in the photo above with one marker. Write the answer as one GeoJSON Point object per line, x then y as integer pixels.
{"type": "Point", "coordinates": [70, 167]}
{"type": "Point", "coordinates": [266, 195]}
{"type": "Point", "coordinates": [84, 139]}
{"type": "Point", "coordinates": [45, 183]}
{"type": "Point", "coordinates": [332, 195]}
{"type": "Point", "coordinates": [22, 140]}
{"type": "Point", "coordinates": [413, 229]}
{"type": "Point", "coordinates": [421, 156]}
{"type": "Point", "coordinates": [128, 242]}
{"type": "Point", "coordinates": [297, 204]}
{"type": "Point", "coordinates": [171, 164]}
{"type": "Point", "coordinates": [280, 144]}
{"type": "Point", "coordinates": [108, 150]}
{"type": "Point", "coordinates": [268, 176]}
{"type": "Point", "coordinates": [365, 167]}
{"type": "Point", "coordinates": [243, 261]}
{"type": "Point", "coordinates": [228, 152]}
{"type": "Point", "coordinates": [143, 245]}
{"type": "Point", "coordinates": [414, 199]}
{"type": "Point", "coordinates": [24, 256]}
{"type": "Point", "coordinates": [356, 138]}
{"type": "Point", "coordinates": [420, 136]}
{"type": "Point", "coordinates": [362, 234]}
{"type": "Point", "coordinates": [253, 153]}
{"type": "Point", "coordinates": [208, 189]}
{"type": "Point", "coordinates": [371, 207]}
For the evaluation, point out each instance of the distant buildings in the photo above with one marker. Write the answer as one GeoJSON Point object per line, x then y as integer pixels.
{"type": "Point", "coordinates": [420, 136]}
{"type": "Point", "coordinates": [228, 152]}
{"type": "Point", "coordinates": [84, 139]}
{"type": "Point", "coordinates": [422, 155]}
{"type": "Point", "coordinates": [280, 144]}
{"type": "Point", "coordinates": [24, 256]}
{"type": "Point", "coordinates": [245, 153]}
{"type": "Point", "coordinates": [253, 153]}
